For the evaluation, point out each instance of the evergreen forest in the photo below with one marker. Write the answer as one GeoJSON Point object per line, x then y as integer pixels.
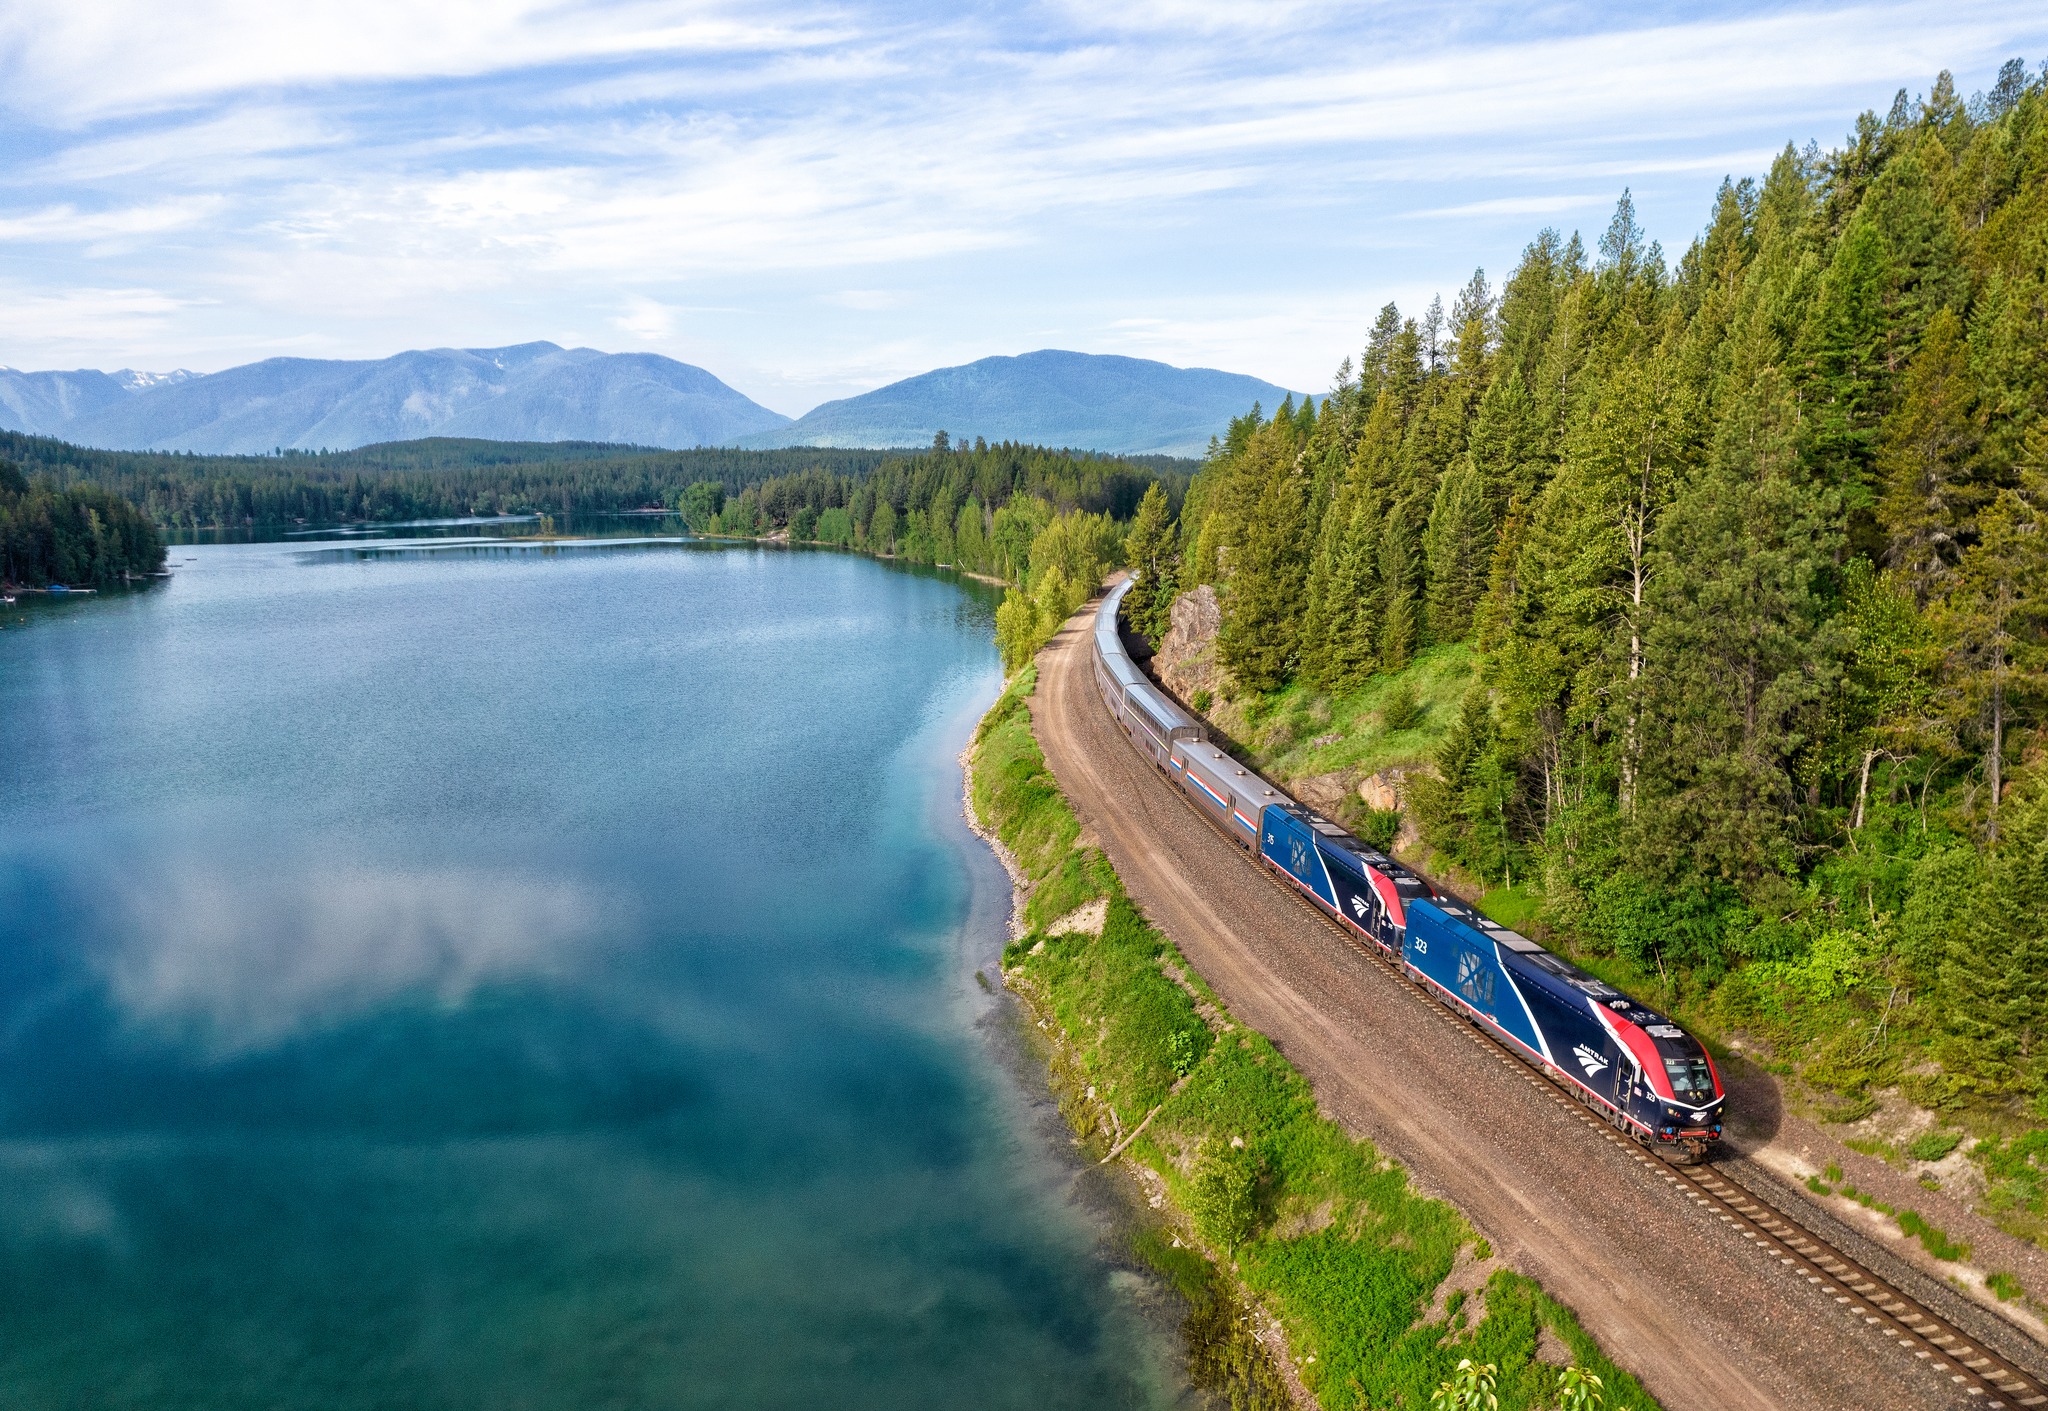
{"type": "Point", "coordinates": [1746, 554]}
{"type": "Point", "coordinates": [80, 536]}
{"type": "Point", "coordinates": [433, 478]}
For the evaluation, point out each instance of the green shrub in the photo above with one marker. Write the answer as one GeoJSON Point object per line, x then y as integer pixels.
{"type": "Point", "coordinates": [1471, 1388]}
{"type": "Point", "coordinates": [1401, 710]}
{"type": "Point", "coordinates": [2004, 1285]}
{"type": "Point", "coordinates": [1201, 700]}
{"type": "Point", "coordinates": [1225, 1198]}
{"type": "Point", "coordinates": [1932, 1146]}
{"type": "Point", "coordinates": [1935, 1241]}
{"type": "Point", "coordinates": [1378, 827]}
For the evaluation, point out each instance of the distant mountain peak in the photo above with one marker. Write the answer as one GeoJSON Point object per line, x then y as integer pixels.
{"type": "Point", "coordinates": [136, 381]}
{"type": "Point", "coordinates": [1051, 396]}
{"type": "Point", "coordinates": [540, 391]}
{"type": "Point", "coordinates": [524, 392]}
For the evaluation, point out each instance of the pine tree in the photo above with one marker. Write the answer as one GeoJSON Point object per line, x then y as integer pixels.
{"type": "Point", "coordinates": [1459, 546]}
{"type": "Point", "coordinates": [1995, 625]}
{"type": "Point", "coordinates": [1375, 365]}
{"type": "Point", "coordinates": [1741, 655]}
{"type": "Point", "coordinates": [1326, 604]}
{"type": "Point", "coordinates": [1401, 624]}
{"type": "Point", "coordinates": [1505, 444]}
{"type": "Point", "coordinates": [1262, 611]}
{"type": "Point", "coordinates": [1995, 979]}
{"type": "Point", "coordinates": [1930, 494]}
{"type": "Point", "coordinates": [1149, 549]}
{"type": "Point", "coordinates": [1845, 343]}
{"type": "Point", "coordinates": [1924, 271]}
{"type": "Point", "coordinates": [1354, 624]}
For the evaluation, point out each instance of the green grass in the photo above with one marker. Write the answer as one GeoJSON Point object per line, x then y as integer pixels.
{"type": "Point", "coordinates": [1336, 1242]}
{"type": "Point", "coordinates": [2005, 1286]}
{"type": "Point", "coordinates": [1514, 906]}
{"type": "Point", "coordinates": [1867, 1200]}
{"type": "Point", "coordinates": [1288, 733]}
{"type": "Point", "coordinates": [1015, 796]}
{"type": "Point", "coordinates": [1934, 1240]}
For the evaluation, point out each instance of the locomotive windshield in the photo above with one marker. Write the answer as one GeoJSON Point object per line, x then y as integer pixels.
{"type": "Point", "coordinates": [1691, 1079]}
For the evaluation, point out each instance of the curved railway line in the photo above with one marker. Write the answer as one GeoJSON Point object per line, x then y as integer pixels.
{"type": "Point", "coordinates": [1886, 1309]}
{"type": "Point", "coordinates": [1978, 1375]}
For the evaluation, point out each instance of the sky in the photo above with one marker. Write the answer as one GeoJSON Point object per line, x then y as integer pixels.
{"type": "Point", "coordinates": [814, 200]}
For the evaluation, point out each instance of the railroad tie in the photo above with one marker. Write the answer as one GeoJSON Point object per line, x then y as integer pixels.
{"type": "Point", "coordinates": [1861, 1293]}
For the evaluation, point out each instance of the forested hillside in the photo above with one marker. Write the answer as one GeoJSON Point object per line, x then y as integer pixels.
{"type": "Point", "coordinates": [1050, 522]}
{"type": "Point", "coordinates": [1750, 548]}
{"type": "Point", "coordinates": [434, 478]}
{"type": "Point", "coordinates": [82, 536]}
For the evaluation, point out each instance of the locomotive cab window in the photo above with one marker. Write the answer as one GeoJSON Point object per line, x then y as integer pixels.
{"type": "Point", "coordinates": [1691, 1079]}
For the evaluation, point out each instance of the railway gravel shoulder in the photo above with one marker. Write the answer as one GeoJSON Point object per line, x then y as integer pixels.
{"type": "Point", "coordinates": [2010, 1343]}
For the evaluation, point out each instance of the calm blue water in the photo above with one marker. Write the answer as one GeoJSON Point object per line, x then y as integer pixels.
{"type": "Point", "coordinates": [484, 976]}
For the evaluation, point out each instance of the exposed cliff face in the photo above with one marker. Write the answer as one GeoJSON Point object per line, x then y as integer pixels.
{"type": "Point", "coordinates": [1186, 663]}
{"type": "Point", "coordinates": [1186, 660]}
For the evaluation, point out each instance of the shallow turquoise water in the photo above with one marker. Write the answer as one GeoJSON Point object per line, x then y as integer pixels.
{"type": "Point", "coordinates": [484, 976]}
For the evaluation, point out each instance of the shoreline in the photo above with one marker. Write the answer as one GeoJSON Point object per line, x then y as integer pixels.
{"type": "Point", "coordinates": [1153, 1072]}
{"type": "Point", "coordinates": [1145, 1187]}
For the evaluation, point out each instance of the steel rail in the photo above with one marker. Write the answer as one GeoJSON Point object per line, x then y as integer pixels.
{"type": "Point", "coordinates": [1867, 1296]}
{"type": "Point", "coordinates": [1864, 1294]}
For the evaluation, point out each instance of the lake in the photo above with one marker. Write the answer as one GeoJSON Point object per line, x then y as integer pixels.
{"type": "Point", "coordinates": [465, 974]}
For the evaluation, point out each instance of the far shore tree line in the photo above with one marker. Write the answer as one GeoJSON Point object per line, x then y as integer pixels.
{"type": "Point", "coordinates": [81, 536]}
{"type": "Point", "coordinates": [1049, 523]}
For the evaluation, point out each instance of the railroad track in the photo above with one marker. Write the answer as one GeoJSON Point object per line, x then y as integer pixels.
{"type": "Point", "coordinates": [1982, 1375]}
{"type": "Point", "coordinates": [1886, 1309]}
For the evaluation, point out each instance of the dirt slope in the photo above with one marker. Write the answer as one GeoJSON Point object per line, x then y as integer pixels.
{"type": "Point", "coordinates": [1704, 1320]}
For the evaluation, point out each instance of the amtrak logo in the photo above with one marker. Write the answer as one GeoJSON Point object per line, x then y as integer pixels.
{"type": "Point", "coordinates": [1592, 1062]}
{"type": "Point", "coordinates": [1358, 907]}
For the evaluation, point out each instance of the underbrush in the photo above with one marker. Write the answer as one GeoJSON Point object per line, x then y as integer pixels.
{"type": "Point", "coordinates": [1275, 1203]}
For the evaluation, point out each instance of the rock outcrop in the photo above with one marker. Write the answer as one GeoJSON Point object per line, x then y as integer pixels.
{"type": "Point", "coordinates": [1186, 659]}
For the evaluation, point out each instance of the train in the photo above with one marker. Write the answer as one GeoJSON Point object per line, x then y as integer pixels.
{"type": "Point", "coordinates": [1631, 1064]}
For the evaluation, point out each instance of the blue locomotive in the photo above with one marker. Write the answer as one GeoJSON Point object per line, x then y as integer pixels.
{"type": "Point", "coordinates": [1642, 1072]}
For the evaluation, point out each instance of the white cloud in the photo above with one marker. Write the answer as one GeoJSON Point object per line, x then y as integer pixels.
{"type": "Point", "coordinates": [141, 55]}
{"type": "Point", "coordinates": [1516, 206]}
{"type": "Point", "coordinates": [646, 321]}
{"type": "Point", "coordinates": [363, 177]}
{"type": "Point", "coordinates": [68, 225]}
{"type": "Point", "coordinates": [867, 300]}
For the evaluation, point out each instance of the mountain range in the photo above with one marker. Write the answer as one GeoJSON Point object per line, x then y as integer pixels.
{"type": "Point", "coordinates": [542, 392]}
{"type": "Point", "coordinates": [528, 392]}
{"type": "Point", "coordinates": [1089, 401]}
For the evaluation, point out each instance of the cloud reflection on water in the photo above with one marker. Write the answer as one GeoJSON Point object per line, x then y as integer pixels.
{"type": "Point", "coordinates": [50, 1199]}
{"type": "Point", "coordinates": [236, 960]}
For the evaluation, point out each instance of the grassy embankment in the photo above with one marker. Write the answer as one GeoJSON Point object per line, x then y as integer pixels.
{"type": "Point", "coordinates": [1273, 1203]}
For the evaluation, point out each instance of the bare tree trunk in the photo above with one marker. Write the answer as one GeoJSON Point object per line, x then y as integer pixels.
{"type": "Point", "coordinates": [1638, 577]}
{"type": "Point", "coordinates": [1863, 788]}
{"type": "Point", "coordinates": [1996, 762]}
